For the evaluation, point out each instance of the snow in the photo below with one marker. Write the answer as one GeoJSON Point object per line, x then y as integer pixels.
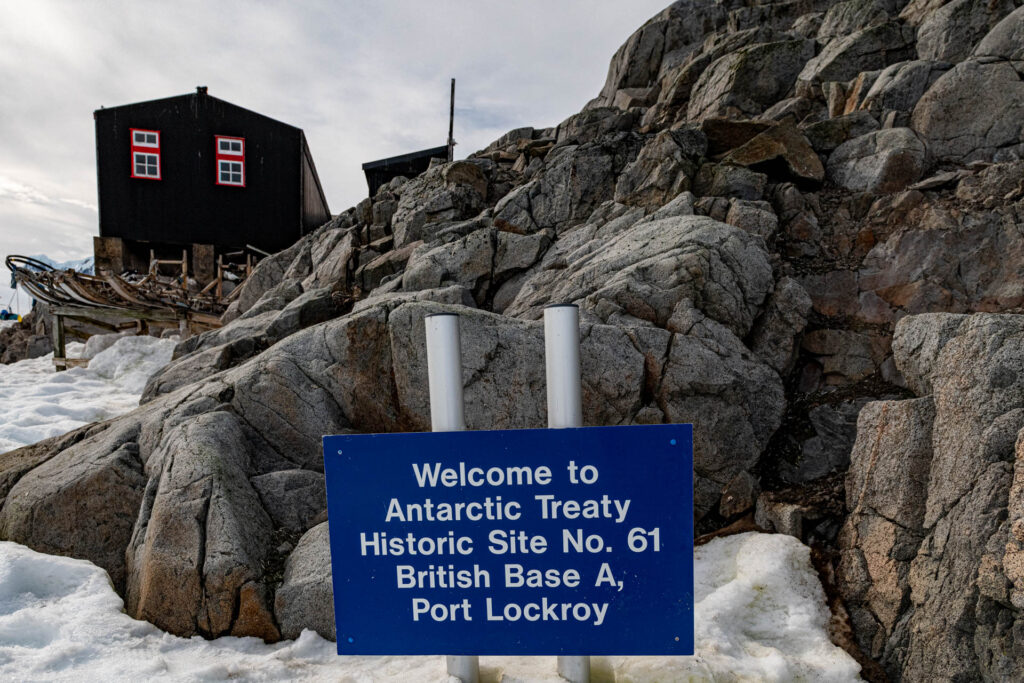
{"type": "Point", "coordinates": [36, 402]}
{"type": "Point", "coordinates": [760, 616]}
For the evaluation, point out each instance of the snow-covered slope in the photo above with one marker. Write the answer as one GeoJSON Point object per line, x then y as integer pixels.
{"type": "Point", "coordinates": [760, 616]}
{"type": "Point", "coordinates": [36, 402]}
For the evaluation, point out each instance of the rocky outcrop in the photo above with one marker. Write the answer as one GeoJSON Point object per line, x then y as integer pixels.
{"type": "Point", "coordinates": [881, 162]}
{"type": "Point", "coordinates": [974, 111]}
{"type": "Point", "coordinates": [759, 198]}
{"type": "Point", "coordinates": [24, 339]}
{"type": "Point", "coordinates": [929, 550]}
{"type": "Point", "coordinates": [305, 598]}
{"type": "Point", "coordinates": [744, 83]}
{"type": "Point", "coordinates": [949, 33]}
{"type": "Point", "coordinates": [843, 58]}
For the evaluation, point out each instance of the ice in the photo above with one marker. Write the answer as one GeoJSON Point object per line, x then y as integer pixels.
{"type": "Point", "coordinates": [36, 402]}
{"type": "Point", "coordinates": [760, 616]}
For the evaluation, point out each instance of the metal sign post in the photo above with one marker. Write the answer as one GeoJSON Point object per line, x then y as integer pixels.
{"type": "Point", "coordinates": [532, 542]}
{"type": "Point", "coordinates": [565, 409]}
{"type": "Point", "coordinates": [444, 372]}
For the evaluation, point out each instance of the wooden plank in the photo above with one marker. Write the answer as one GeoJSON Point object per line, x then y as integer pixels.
{"type": "Point", "coordinates": [59, 349]}
{"type": "Point", "coordinates": [117, 315]}
{"type": "Point", "coordinates": [122, 289]}
{"type": "Point", "coordinates": [65, 363]}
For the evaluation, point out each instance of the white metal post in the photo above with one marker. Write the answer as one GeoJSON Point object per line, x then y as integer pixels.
{"type": "Point", "coordinates": [444, 372]}
{"type": "Point", "coordinates": [565, 409]}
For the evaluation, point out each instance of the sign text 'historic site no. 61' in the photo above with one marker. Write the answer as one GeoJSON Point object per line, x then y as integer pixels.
{"type": "Point", "coordinates": [529, 542]}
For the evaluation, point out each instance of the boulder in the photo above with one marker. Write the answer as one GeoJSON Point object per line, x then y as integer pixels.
{"type": "Point", "coordinates": [883, 161]}
{"type": "Point", "coordinates": [371, 274]}
{"type": "Point", "coordinates": [726, 134]}
{"type": "Point", "coordinates": [746, 82]}
{"type": "Point", "coordinates": [662, 169]}
{"type": "Point", "coordinates": [466, 262]}
{"type": "Point", "coordinates": [885, 491]}
{"type": "Point", "coordinates": [972, 112]}
{"type": "Point", "coordinates": [201, 535]}
{"type": "Point", "coordinates": [950, 33]}
{"type": "Point", "coordinates": [844, 18]}
{"type": "Point", "coordinates": [825, 136]}
{"type": "Point", "coordinates": [305, 598]}
{"type": "Point", "coordinates": [900, 86]}
{"type": "Point", "coordinates": [775, 336]}
{"type": "Point", "coordinates": [782, 148]}
{"type": "Point", "coordinates": [875, 47]}
{"type": "Point", "coordinates": [573, 184]}
{"type": "Point", "coordinates": [593, 124]}
{"type": "Point", "coordinates": [445, 192]}
{"type": "Point", "coordinates": [1005, 40]}
{"type": "Point", "coordinates": [658, 271]}
{"type": "Point", "coordinates": [724, 180]}
{"type": "Point", "coordinates": [663, 41]}
{"type": "Point", "coordinates": [79, 501]}
{"type": "Point", "coordinates": [757, 218]}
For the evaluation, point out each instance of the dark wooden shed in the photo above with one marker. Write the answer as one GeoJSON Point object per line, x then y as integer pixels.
{"type": "Point", "coordinates": [409, 165]}
{"type": "Point", "coordinates": [194, 170]}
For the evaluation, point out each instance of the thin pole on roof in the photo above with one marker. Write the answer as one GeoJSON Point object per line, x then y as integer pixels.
{"type": "Point", "coordinates": [451, 125]}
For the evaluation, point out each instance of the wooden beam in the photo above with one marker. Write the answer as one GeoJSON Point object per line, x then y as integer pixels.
{"type": "Point", "coordinates": [59, 350]}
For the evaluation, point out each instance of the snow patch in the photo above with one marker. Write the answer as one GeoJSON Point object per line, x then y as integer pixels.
{"type": "Point", "coordinates": [38, 402]}
{"type": "Point", "coordinates": [760, 616]}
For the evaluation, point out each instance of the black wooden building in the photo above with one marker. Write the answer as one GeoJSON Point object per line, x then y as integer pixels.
{"type": "Point", "coordinates": [196, 171]}
{"type": "Point", "coordinates": [409, 165]}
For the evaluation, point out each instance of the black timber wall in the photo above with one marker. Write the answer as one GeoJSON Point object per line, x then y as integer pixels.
{"type": "Point", "coordinates": [186, 205]}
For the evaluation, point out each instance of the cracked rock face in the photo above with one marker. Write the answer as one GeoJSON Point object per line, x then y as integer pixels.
{"type": "Point", "coordinates": [744, 83]}
{"type": "Point", "coordinates": [973, 111]}
{"type": "Point", "coordinates": [931, 551]}
{"type": "Point", "coordinates": [201, 475]}
{"type": "Point", "coordinates": [880, 162]}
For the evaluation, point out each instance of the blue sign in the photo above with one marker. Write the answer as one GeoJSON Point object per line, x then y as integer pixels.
{"type": "Point", "coordinates": [526, 542]}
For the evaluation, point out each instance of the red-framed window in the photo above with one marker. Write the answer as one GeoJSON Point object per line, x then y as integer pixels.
{"type": "Point", "coordinates": [230, 160]}
{"type": "Point", "coordinates": [145, 153]}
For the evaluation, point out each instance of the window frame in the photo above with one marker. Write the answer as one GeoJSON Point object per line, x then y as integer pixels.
{"type": "Point", "coordinates": [148, 149]}
{"type": "Point", "coordinates": [228, 156]}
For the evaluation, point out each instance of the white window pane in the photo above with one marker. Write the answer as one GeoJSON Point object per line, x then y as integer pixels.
{"type": "Point", "coordinates": [140, 169]}
{"type": "Point", "coordinates": [236, 178]}
{"type": "Point", "coordinates": [151, 138]}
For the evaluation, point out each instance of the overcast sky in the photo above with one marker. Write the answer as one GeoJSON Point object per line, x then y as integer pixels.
{"type": "Point", "coordinates": [365, 80]}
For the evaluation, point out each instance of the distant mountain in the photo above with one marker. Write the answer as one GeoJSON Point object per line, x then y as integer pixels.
{"type": "Point", "coordinates": [85, 265]}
